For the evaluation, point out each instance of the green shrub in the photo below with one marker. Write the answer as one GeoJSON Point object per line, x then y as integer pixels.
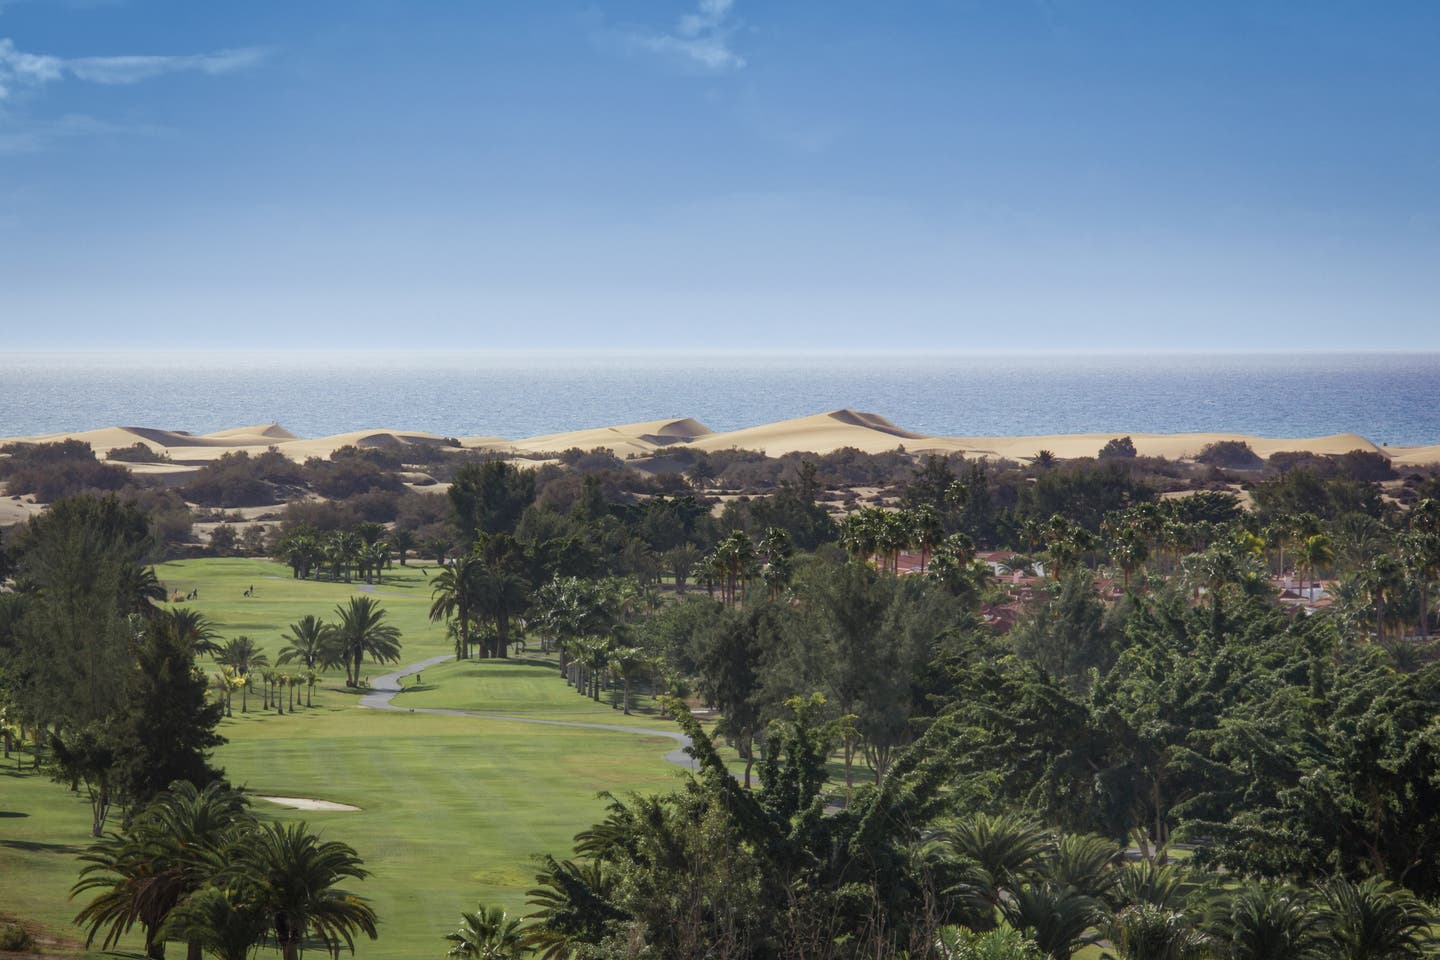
{"type": "Point", "coordinates": [15, 938]}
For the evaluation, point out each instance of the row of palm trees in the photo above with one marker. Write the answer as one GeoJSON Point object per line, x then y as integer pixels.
{"type": "Point", "coordinates": [197, 867]}
{"type": "Point", "coordinates": [342, 554]}
{"type": "Point", "coordinates": [361, 630]}
{"type": "Point", "coordinates": [737, 561]}
{"type": "Point", "coordinates": [588, 620]}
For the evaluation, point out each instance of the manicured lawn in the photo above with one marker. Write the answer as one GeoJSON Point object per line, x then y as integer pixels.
{"type": "Point", "coordinates": [524, 686]}
{"type": "Point", "coordinates": [453, 809]}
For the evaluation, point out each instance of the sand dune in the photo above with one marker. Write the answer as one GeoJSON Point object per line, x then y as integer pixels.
{"type": "Point", "coordinates": [267, 431]}
{"type": "Point", "coordinates": [640, 439]}
{"type": "Point", "coordinates": [823, 433]}
{"type": "Point", "coordinates": [820, 433]}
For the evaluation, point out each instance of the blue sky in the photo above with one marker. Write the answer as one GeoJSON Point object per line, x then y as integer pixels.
{"type": "Point", "coordinates": [905, 176]}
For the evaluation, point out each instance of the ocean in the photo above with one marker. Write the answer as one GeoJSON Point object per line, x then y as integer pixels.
{"type": "Point", "coordinates": [1389, 398]}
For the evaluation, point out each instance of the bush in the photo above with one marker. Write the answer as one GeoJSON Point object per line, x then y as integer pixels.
{"type": "Point", "coordinates": [49, 471]}
{"type": "Point", "coordinates": [1367, 466]}
{"type": "Point", "coordinates": [1118, 448]}
{"type": "Point", "coordinates": [240, 480]}
{"type": "Point", "coordinates": [1230, 455]}
{"type": "Point", "coordinates": [137, 452]}
{"type": "Point", "coordinates": [15, 938]}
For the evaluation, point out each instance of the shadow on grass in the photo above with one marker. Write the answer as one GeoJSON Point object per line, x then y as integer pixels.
{"type": "Point", "coordinates": [35, 846]}
{"type": "Point", "coordinates": [12, 814]}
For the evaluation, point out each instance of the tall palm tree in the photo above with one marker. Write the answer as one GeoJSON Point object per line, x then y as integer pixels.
{"type": "Point", "coordinates": [487, 933]}
{"type": "Point", "coordinates": [362, 631]}
{"type": "Point", "coordinates": [311, 642]}
{"type": "Point", "coordinates": [294, 876]}
{"type": "Point", "coordinates": [1312, 554]}
{"type": "Point", "coordinates": [629, 663]}
{"type": "Point", "coordinates": [681, 562]}
{"type": "Point", "coordinates": [403, 541]}
{"type": "Point", "coordinates": [1421, 552]}
{"type": "Point", "coordinates": [501, 597]}
{"type": "Point", "coordinates": [373, 559]}
{"type": "Point", "coordinates": [926, 531]}
{"type": "Point", "coordinates": [454, 593]}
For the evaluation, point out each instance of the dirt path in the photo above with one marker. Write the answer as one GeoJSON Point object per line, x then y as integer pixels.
{"type": "Point", "coordinates": [384, 688]}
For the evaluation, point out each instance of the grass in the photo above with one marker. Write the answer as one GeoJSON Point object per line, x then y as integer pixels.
{"type": "Point", "coordinates": [453, 809]}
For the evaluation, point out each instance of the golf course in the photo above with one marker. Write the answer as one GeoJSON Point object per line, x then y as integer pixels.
{"type": "Point", "coordinates": [452, 809]}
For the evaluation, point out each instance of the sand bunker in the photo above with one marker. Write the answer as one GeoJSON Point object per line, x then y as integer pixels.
{"type": "Point", "coordinates": [305, 803]}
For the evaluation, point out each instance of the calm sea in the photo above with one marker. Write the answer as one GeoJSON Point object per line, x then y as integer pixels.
{"type": "Point", "coordinates": [1392, 398]}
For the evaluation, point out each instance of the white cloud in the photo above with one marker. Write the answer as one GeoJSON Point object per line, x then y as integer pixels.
{"type": "Point", "coordinates": [702, 38]}
{"type": "Point", "coordinates": [19, 69]}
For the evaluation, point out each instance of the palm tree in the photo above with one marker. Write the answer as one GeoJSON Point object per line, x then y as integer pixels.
{"type": "Point", "coordinates": [140, 589]}
{"type": "Point", "coordinates": [1145, 931]}
{"type": "Point", "coordinates": [1055, 916]}
{"type": "Point", "coordinates": [294, 876]}
{"type": "Point", "coordinates": [1003, 943]}
{"type": "Point", "coordinates": [488, 933]}
{"type": "Point", "coordinates": [681, 562]}
{"type": "Point", "coordinates": [373, 559]}
{"type": "Point", "coordinates": [1384, 581]}
{"type": "Point", "coordinates": [1003, 849]}
{"type": "Point", "coordinates": [311, 641]}
{"type": "Point", "coordinates": [454, 593]}
{"type": "Point", "coordinates": [1085, 862]}
{"type": "Point", "coordinates": [1375, 920]}
{"type": "Point", "coordinates": [859, 533]}
{"type": "Point", "coordinates": [171, 849]}
{"type": "Point", "coordinates": [242, 655]}
{"type": "Point", "coordinates": [501, 596]}
{"type": "Point", "coordinates": [1271, 922]}
{"type": "Point", "coordinates": [1421, 552]}
{"type": "Point", "coordinates": [403, 541]}
{"type": "Point", "coordinates": [926, 531]}
{"type": "Point", "coordinates": [362, 631]}
{"type": "Point", "coordinates": [222, 921]}
{"type": "Point", "coordinates": [302, 552]}
{"type": "Point", "coordinates": [629, 662]}
{"type": "Point", "coordinates": [342, 550]}
{"type": "Point", "coordinates": [194, 626]}
{"type": "Point", "coordinates": [1311, 554]}
{"type": "Point", "coordinates": [1157, 884]}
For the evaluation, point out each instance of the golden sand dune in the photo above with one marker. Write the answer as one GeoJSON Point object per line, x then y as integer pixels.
{"type": "Point", "coordinates": [820, 433]}
{"type": "Point", "coordinates": [824, 433]}
{"type": "Point", "coordinates": [640, 439]}
{"type": "Point", "coordinates": [267, 431]}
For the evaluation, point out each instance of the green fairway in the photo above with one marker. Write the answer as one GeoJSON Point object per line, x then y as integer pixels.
{"type": "Point", "coordinates": [452, 808]}
{"type": "Point", "coordinates": [525, 686]}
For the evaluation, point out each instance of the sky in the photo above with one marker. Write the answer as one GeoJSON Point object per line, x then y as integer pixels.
{"type": "Point", "coordinates": [737, 175]}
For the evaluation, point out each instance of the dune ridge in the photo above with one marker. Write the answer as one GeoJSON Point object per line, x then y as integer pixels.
{"type": "Point", "coordinates": [818, 433]}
